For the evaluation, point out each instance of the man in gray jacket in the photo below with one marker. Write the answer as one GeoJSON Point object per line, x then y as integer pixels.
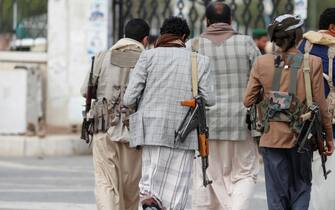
{"type": "Point", "coordinates": [117, 167]}
{"type": "Point", "coordinates": [160, 81]}
{"type": "Point", "coordinates": [233, 161]}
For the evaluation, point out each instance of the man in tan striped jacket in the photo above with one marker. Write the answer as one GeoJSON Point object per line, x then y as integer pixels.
{"type": "Point", "coordinates": [233, 160]}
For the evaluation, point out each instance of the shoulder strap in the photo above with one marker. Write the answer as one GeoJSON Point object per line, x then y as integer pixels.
{"type": "Point", "coordinates": [195, 45]}
{"type": "Point", "coordinates": [278, 72]}
{"type": "Point", "coordinates": [308, 47]}
{"type": "Point", "coordinates": [194, 74]}
{"type": "Point", "coordinates": [297, 60]}
{"type": "Point", "coordinates": [307, 78]}
{"type": "Point", "coordinates": [331, 55]}
{"type": "Point", "coordinates": [294, 72]}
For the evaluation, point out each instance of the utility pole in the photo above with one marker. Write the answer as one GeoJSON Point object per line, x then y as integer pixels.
{"type": "Point", "coordinates": [313, 13]}
{"type": "Point", "coordinates": [14, 15]}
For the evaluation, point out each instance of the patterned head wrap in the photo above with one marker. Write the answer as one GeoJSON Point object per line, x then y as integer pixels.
{"type": "Point", "coordinates": [286, 30]}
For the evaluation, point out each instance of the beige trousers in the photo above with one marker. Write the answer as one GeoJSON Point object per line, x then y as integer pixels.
{"type": "Point", "coordinates": [233, 167]}
{"type": "Point", "coordinates": [117, 170]}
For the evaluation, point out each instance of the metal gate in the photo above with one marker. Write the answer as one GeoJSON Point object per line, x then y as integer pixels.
{"type": "Point", "coordinates": [246, 14]}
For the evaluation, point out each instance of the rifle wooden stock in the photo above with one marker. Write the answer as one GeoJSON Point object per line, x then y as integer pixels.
{"type": "Point", "coordinates": [189, 103]}
{"type": "Point", "coordinates": [203, 145]}
{"type": "Point", "coordinates": [196, 119]}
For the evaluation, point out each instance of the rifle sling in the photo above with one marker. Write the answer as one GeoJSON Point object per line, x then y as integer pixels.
{"type": "Point", "coordinates": [194, 74]}
{"type": "Point", "coordinates": [307, 78]}
{"type": "Point", "coordinates": [331, 55]}
{"type": "Point", "coordinates": [195, 45]}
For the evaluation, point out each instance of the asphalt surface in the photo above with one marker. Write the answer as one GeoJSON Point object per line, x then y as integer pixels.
{"type": "Point", "coordinates": [61, 183]}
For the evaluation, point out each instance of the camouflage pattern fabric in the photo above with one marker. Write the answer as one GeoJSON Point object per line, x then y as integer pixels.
{"type": "Point", "coordinates": [107, 113]}
{"type": "Point", "coordinates": [281, 107]}
{"type": "Point", "coordinates": [282, 99]}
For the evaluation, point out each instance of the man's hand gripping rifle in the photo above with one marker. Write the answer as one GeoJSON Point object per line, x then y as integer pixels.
{"type": "Point", "coordinates": [312, 132]}
{"type": "Point", "coordinates": [87, 125]}
{"type": "Point", "coordinates": [196, 119]}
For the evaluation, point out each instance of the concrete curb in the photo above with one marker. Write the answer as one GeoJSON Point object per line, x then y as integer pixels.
{"type": "Point", "coordinates": [51, 145]}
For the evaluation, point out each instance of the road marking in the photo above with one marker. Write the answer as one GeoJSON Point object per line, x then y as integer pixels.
{"type": "Point", "coordinates": [45, 206]}
{"type": "Point", "coordinates": [42, 186]}
{"type": "Point", "coordinates": [50, 178]}
{"type": "Point", "coordinates": [8, 164]}
{"type": "Point", "coordinates": [20, 190]}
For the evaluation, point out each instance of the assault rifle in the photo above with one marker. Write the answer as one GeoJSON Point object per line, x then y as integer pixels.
{"type": "Point", "coordinates": [87, 125]}
{"type": "Point", "coordinates": [312, 132]}
{"type": "Point", "coordinates": [252, 118]}
{"type": "Point", "coordinates": [254, 127]}
{"type": "Point", "coordinates": [196, 119]}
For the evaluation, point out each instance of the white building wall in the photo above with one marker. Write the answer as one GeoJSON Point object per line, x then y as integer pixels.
{"type": "Point", "coordinates": [69, 33]}
{"type": "Point", "coordinates": [58, 59]}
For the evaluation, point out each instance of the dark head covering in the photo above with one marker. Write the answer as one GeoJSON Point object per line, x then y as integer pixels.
{"type": "Point", "coordinates": [286, 31]}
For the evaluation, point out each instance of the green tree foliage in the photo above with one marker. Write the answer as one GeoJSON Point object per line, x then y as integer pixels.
{"type": "Point", "coordinates": [25, 9]}
{"type": "Point", "coordinates": [6, 16]}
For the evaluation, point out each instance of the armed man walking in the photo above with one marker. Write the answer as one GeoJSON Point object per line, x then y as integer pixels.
{"type": "Point", "coordinates": [117, 167]}
{"type": "Point", "coordinates": [233, 159]}
{"type": "Point", "coordinates": [159, 83]}
{"type": "Point", "coordinates": [322, 44]}
{"type": "Point", "coordinates": [293, 111]}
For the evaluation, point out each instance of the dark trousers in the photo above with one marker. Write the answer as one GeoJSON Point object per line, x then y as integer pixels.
{"type": "Point", "coordinates": [288, 176]}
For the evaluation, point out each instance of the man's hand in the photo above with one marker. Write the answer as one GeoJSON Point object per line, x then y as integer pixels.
{"type": "Point", "coordinates": [330, 148]}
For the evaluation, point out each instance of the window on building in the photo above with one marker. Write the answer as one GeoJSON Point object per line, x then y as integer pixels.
{"type": "Point", "coordinates": [23, 25]}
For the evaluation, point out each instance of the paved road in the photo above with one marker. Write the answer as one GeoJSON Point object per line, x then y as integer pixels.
{"type": "Point", "coordinates": [60, 183]}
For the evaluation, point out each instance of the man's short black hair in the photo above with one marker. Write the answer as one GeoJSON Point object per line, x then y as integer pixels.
{"type": "Point", "coordinates": [218, 12]}
{"type": "Point", "coordinates": [137, 29]}
{"type": "Point", "coordinates": [327, 18]}
{"type": "Point", "coordinates": [175, 25]}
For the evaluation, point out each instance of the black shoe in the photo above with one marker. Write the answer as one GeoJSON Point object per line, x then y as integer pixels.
{"type": "Point", "coordinates": [151, 207]}
{"type": "Point", "coordinates": [150, 204]}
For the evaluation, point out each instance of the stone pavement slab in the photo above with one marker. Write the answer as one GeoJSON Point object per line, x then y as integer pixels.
{"type": "Point", "coordinates": [58, 183]}
{"type": "Point", "coordinates": [51, 145]}
{"type": "Point", "coordinates": [55, 183]}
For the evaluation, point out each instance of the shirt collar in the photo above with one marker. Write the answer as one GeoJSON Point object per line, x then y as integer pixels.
{"type": "Point", "coordinates": [124, 42]}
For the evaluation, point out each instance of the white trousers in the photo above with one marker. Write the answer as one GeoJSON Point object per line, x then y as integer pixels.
{"type": "Point", "coordinates": [233, 168]}
{"type": "Point", "coordinates": [117, 170]}
{"type": "Point", "coordinates": [323, 191]}
{"type": "Point", "coordinates": [167, 176]}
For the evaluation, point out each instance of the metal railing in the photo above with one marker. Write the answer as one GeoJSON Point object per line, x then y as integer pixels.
{"type": "Point", "coordinates": [247, 14]}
